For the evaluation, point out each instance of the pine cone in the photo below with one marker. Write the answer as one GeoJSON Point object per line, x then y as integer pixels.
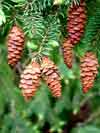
{"type": "Point", "coordinates": [68, 52]}
{"type": "Point", "coordinates": [76, 22]}
{"type": "Point", "coordinates": [51, 76]}
{"type": "Point", "coordinates": [30, 80]}
{"type": "Point", "coordinates": [15, 45]}
{"type": "Point", "coordinates": [89, 65]}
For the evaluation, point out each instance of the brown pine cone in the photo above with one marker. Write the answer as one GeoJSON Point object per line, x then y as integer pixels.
{"type": "Point", "coordinates": [30, 80]}
{"type": "Point", "coordinates": [68, 52]}
{"type": "Point", "coordinates": [89, 65]}
{"type": "Point", "coordinates": [15, 45]}
{"type": "Point", "coordinates": [51, 76]}
{"type": "Point", "coordinates": [76, 22]}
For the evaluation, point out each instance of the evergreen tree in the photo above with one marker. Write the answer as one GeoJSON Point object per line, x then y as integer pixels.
{"type": "Point", "coordinates": [51, 48]}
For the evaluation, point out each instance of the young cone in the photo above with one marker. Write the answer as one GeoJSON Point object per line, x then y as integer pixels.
{"type": "Point", "coordinates": [51, 76]}
{"type": "Point", "coordinates": [30, 79]}
{"type": "Point", "coordinates": [68, 52]}
{"type": "Point", "coordinates": [89, 65]}
{"type": "Point", "coordinates": [15, 45]}
{"type": "Point", "coordinates": [76, 21]}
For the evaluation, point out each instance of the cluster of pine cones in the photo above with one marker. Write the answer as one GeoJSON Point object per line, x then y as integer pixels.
{"type": "Point", "coordinates": [46, 69]}
{"type": "Point", "coordinates": [30, 78]}
{"type": "Point", "coordinates": [75, 27]}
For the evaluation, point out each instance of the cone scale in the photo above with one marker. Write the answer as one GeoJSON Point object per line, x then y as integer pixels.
{"type": "Point", "coordinates": [15, 45]}
{"type": "Point", "coordinates": [67, 49]}
{"type": "Point", "coordinates": [76, 22]}
{"type": "Point", "coordinates": [88, 67]}
{"type": "Point", "coordinates": [30, 80]}
{"type": "Point", "coordinates": [51, 76]}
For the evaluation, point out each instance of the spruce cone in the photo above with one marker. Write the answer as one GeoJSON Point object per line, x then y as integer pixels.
{"type": "Point", "coordinates": [76, 22]}
{"type": "Point", "coordinates": [51, 76]}
{"type": "Point", "coordinates": [30, 80]}
{"type": "Point", "coordinates": [89, 65]}
{"type": "Point", "coordinates": [15, 45]}
{"type": "Point", "coordinates": [68, 52]}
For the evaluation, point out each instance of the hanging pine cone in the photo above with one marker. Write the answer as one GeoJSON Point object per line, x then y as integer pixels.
{"type": "Point", "coordinates": [89, 65]}
{"type": "Point", "coordinates": [30, 80]}
{"type": "Point", "coordinates": [76, 21]}
{"type": "Point", "coordinates": [51, 76]}
{"type": "Point", "coordinates": [68, 52]}
{"type": "Point", "coordinates": [15, 45]}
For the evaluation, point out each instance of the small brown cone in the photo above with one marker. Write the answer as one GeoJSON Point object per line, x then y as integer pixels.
{"type": "Point", "coordinates": [76, 21]}
{"type": "Point", "coordinates": [68, 52]}
{"type": "Point", "coordinates": [89, 65]}
{"type": "Point", "coordinates": [51, 76]}
{"type": "Point", "coordinates": [30, 80]}
{"type": "Point", "coordinates": [15, 45]}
